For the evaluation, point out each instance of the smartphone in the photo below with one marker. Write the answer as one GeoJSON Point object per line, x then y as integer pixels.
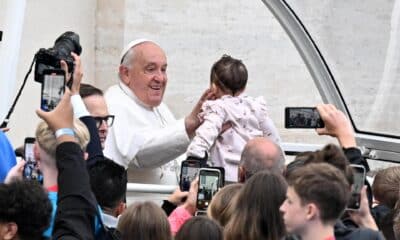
{"type": "Point", "coordinates": [209, 181]}
{"type": "Point", "coordinates": [303, 117]}
{"type": "Point", "coordinates": [52, 88]}
{"type": "Point", "coordinates": [189, 171]}
{"type": "Point", "coordinates": [222, 176]}
{"type": "Point", "coordinates": [358, 183]}
{"type": "Point", "coordinates": [31, 170]}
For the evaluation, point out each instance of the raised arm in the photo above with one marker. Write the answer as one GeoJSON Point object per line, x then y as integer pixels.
{"type": "Point", "coordinates": [76, 205]}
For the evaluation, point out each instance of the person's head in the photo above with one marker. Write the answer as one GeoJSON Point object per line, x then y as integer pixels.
{"type": "Point", "coordinates": [108, 182]}
{"type": "Point", "coordinates": [228, 76]}
{"type": "Point", "coordinates": [145, 221]}
{"type": "Point", "coordinates": [221, 206]}
{"type": "Point", "coordinates": [317, 196]}
{"type": "Point", "coordinates": [386, 186]}
{"type": "Point", "coordinates": [25, 210]}
{"type": "Point", "coordinates": [200, 228]}
{"type": "Point", "coordinates": [97, 107]}
{"type": "Point", "coordinates": [256, 209]}
{"type": "Point", "coordinates": [46, 143]}
{"type": "Point", "coordinates": [330, 154]}
{"type": "Point", "coordinates": [144, 70]}
{"type": "Point", "coordinates": [260, 154]}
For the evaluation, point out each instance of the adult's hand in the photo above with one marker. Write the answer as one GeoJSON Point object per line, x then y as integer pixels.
{"type": "Point", "coordinates": [78, 73]}
{"type": "Point", "coordinates": [190, 203]}
{"type": "Point", "coordinates": [15, 172]}
{"type": "Point", "coordinates": [336, 125]}
{"type": "Point", "coordinates": [177, 196]}
{"type": "Point", "coordinates": [4, 130]}
{"type": "Point", "coordinates": [362, 217]}
{"type": "Point", "coordinates": [192, 121]}
{"type": "Point", "coordinates": [60, 117]}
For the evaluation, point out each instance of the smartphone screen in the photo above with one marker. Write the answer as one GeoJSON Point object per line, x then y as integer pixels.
{"type": "Point", "coordinates": [31, 170]}
{"type": "Point", "coordinates": [209, 180]}
{"type": "Point", "coordinates": [222, 175]}
{"type": "Point", "coordinates": [302, 117]}
{"type": "Point", "coordinates": [358, 183]}
{"type": "Point", "coordinates": [52, 88]}
{"type": "Point", "coordinates": [189, 171]}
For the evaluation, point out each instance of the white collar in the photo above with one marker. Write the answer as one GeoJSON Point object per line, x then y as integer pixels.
{"type": "Point", "coordinates": [132, 95]}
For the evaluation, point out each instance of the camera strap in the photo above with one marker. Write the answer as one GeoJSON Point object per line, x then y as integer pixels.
{"type": "Point", "coordinates": [7, 119]}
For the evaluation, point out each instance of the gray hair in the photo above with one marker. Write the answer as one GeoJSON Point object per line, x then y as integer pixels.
{"type": "Point", "coordinates": [254, 158]}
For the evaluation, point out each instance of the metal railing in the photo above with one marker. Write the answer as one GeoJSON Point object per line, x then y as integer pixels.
{"type": "Point", "coordinates": [289, 148]}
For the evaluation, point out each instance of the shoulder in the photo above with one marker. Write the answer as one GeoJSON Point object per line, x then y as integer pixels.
{"type": "Point", "coordinates": [214, 106]}
{"type": "Point", "coordinates": [114, 89]}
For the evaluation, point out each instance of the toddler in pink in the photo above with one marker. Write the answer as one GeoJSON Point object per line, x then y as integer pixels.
{"type": "Point", "coordinates": [230, 120]}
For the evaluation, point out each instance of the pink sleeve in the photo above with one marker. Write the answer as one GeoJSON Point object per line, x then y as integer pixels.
{"type": "Point", "coordinates": [177, 218]}
{"type": "Point", "coordinates": [214, 116]}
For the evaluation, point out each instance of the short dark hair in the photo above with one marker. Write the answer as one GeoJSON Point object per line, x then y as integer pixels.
{"type": "Point", "coordinates": [27, 205]}
{"type": "Point", "coordinates": [229, 73]}
{"type": "Point", "coordinates": [87, 90]}
{"type": "Point", "coordinates": [324, 185]}
{"type": "Point", "coordinates": [108, 182]}
{"type": "Point", "coordinates": [200, 228]}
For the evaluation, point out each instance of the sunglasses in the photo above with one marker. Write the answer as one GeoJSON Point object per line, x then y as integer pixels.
{"type": "Point", "coordinates": [109, 120]}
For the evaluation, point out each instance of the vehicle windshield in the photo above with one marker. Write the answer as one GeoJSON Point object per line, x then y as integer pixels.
{"type": "Point", "coordinates": [361, 45]}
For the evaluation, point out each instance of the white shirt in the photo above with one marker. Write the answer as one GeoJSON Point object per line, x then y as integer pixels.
{"type": "Point", "coordinates": [248, 119]}
{"type": "Point", "coordinates": [148, 139]}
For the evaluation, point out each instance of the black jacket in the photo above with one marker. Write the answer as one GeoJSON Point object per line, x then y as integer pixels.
{"type": "Point", "coordinates": [346, 233]}
{"type": "Point", "coordinates": [76, 205]}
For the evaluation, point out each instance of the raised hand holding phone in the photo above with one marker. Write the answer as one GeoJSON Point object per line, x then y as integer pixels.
{"type": "Point", "coordinates": [358, 183]}
{"type": "Point", "coordinates": [209, 184]}
{"type": "Point", "coordinates": [52, 88]}
{"type": "Point", "coordinates": [302, 117]}
{"type": "Point", "coordinates": [60, 117]}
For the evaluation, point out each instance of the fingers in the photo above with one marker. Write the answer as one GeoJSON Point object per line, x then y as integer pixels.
{"type": "Point", "coordinates": [5, 129]}
{"type": "Point", "coordinates": [64, 66]}
{"type": "Point", "coordinates": [41, 114]}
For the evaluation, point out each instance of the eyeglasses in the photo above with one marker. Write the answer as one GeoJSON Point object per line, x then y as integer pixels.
{"type": "Point", "coordinates": [109, 119]}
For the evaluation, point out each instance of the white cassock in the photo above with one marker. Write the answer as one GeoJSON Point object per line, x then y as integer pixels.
{"type": "Point", "coordinates": [147, 139]}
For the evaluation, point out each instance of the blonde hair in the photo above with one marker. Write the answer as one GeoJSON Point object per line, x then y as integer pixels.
{"type": "Point", "coordinates": [220, 208]}
{"type": "Point", "coordinates": [47, 140]}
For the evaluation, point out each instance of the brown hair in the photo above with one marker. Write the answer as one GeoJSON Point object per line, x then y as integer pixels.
{"type": "Point", "coordinates": [386, 186]}
{"type": "Point", "coordinates": [256, 207]}
{"type": "Point", "coordinates": [220, 208]}
{"type": "Point", "coordinates": [200, 228]}
{"type": "Point", "coordinates": [334, 156]}
{"type": "Point", "coordinates": [323, 185]}
{"type": "Point", "coordinates": [229, 74]}
{"type": "Point", "coordinates": [144, 221]}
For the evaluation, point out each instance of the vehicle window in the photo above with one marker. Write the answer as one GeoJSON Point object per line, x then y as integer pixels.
{"type": "Point", "coordinates": [360, 43]}
{"type": "Point", "coordinates": [201, 32]}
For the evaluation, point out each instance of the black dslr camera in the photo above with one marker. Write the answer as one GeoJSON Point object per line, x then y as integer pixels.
{"type": "Point", "coordinates": [47, 59]}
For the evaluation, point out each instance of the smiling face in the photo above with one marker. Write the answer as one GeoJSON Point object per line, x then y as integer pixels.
{"type": "Point", "coordinates": [146, 75]}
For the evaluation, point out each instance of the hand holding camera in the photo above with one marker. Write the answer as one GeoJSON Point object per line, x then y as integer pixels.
{"type": "Point", "coordinates": [73, 81]}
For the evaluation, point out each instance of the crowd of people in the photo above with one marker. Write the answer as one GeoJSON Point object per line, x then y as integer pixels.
{"type": "Point", "coordinates": [86, 144]}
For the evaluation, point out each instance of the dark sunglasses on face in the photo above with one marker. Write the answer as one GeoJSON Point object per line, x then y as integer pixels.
{"type": "Point", "coordinates": [109, 120]}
